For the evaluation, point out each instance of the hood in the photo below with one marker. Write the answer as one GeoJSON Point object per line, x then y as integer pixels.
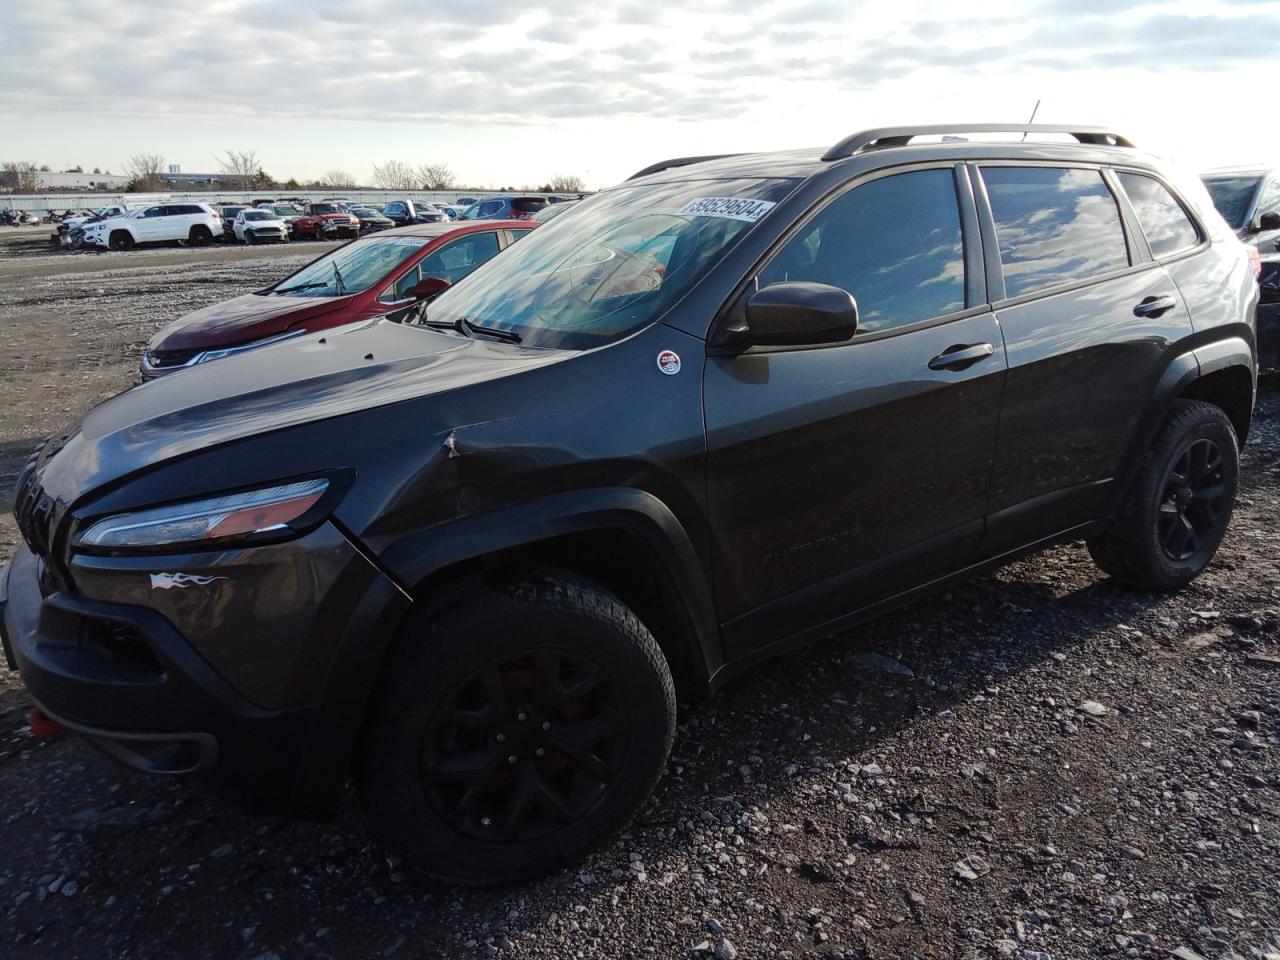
{"type": "Point", "coordinates": [316, 377]}
{"type": "Point", "coordinates": [243, 319]}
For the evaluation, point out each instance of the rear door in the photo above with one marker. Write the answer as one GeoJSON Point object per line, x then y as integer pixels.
{"type": "Point", "coordinates": [1087, 318]}
{"type": "Point", "coordinates": [843, 474]}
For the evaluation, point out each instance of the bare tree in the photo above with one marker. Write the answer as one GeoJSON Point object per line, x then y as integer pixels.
{"type": "Point", "coordinates": [436, 176]}
{"type": "Point", "coordinates": [394, 175]}
{"type": "Point", "coordinates": [143, 171]}
{"type": "Point", "coordinates": [338, 178]}
{"type": "Point", "coordinates": [19, 176]}
{"type": "Point", "coordinates": [240, 167]}
{"type": "Point", "coordinates": [567, 184]}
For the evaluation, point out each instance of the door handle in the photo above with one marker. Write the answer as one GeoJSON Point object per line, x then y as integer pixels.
{"type": "Point", "coordinates": [961, 356]}
{"type": "Point", "coordinates": [1154, 306]}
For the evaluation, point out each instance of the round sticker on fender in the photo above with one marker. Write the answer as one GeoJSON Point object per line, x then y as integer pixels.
{"type": "Point", "coordinates": [669, 362]}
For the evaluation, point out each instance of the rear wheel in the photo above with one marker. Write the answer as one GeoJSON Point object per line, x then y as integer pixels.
{"type": "Point", "coordinates": [516, 731]}
{"type": "Point", "coordinates": [120, 240]}
{"type": "Point", "coordinates": [199, 235]}
{"type": "Point", "coordinates": [1176, 513]}
{"type": "Point", "coordinates": [318, 233]}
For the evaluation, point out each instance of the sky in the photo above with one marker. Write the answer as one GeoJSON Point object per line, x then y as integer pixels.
{"type": "Point", "coordinates": [513, 92]}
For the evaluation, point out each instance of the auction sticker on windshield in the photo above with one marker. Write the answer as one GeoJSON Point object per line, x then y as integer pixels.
{"type": "Point", "coordinates": [727, 208]}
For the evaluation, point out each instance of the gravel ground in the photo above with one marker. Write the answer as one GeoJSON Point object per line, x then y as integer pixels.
{"type": "Point", "coordinates": [1036, 765]}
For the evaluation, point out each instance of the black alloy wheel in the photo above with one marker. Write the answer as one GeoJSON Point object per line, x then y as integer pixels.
{"type": "Point", "coordinates": [1178, 507]}
{"type": "Point", "coordinates": [515, 729]}
{"type": "Point", "coordinates": [1191, 501]}
{"type": "Point", "coordinates": [525, 746]}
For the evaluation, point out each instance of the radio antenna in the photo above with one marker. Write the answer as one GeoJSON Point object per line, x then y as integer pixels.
{"type": "Point", "coordinates": [1034, 111]}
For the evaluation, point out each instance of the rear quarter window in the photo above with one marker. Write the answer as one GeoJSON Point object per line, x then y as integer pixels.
{"type": "Point", "coordinates": [1167, 227]}
{"type": "Point", "coordinates": [1055, 225]}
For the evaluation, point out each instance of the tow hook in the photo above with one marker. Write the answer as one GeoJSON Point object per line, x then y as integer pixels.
{"type": "Point", "coordinates": [43, 725]}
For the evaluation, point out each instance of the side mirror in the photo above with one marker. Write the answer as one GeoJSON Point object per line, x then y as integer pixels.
{"type": "Point", "coordinates": [1269, 221]}
{"type": "Point", "coordinates": [429, 287]}
{"type": "Point", "coordinates": [798, 313]}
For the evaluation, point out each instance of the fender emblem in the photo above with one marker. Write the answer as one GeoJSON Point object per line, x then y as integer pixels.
{"type": "Point", "coordinates": [168, 581]}
{"type": "Point", "coordinates": [669, 362]}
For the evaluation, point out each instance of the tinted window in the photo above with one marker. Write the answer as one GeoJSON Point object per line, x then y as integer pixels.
{"type": "Point", "coordinates": [395, 208]}
{"type": "Point", "coordinates": [1054, 226]}
{"type": "Point", "coordinates": [895, 244]}
{"type": "Point", "coordinates": [1162, 218]}
{"type": "Point", "coordinates": [1232, 195]}
{"type": "Point", "coordinates": [154, 212]}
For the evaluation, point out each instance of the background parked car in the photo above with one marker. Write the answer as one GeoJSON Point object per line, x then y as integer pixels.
{"type": "Point", "coordinates": [379, 275]}
{"type": "Point", "coordinates": [371, 220]}
{"type": "Point", "coordinates": [256, 225]}
{"type": "Point", "coordinates": [1249, 200]}
{"type": "Point", "coordinates": [288, 212]}
{"type": "Point", "coordinates": [228, 213]}
{"type": "Point", "coordinates": [190, 222]}
{"type": "Point", "coordinates": [405, 212]}
{"type": "Point", "coordinates": [504, 208]}
{"type": "Point", "coordinates": [326, 220]}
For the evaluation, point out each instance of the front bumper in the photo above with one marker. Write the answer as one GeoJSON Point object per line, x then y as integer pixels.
{"type": "Point", "coordinates": [163, 700]}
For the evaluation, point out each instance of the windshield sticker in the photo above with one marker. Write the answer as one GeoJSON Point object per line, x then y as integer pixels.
{"type": "Point", "coordinates": [726, 208]}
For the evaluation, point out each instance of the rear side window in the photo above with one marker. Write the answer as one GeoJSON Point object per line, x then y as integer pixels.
{"type": "Point", "coordinates": [1054, 226]}
{"type": "Point", "coordinates": [1163, 220]}
{"type": "Point", "coordinates": [895, 244]}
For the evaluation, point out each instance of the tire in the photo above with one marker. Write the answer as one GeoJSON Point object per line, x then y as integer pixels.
{"type": "Point", "coordinates": [468, 689]}
{"type": "Point", "coordinates": [249, 238]}
{"type": "Point", "coordinates": [121, 240]}
{"type": "Point", "coordinates": [200, 236]}
{"type": "Point", "coordinates": [1177, 511]}
{"type": "Point", "coordinates": [318, 234]}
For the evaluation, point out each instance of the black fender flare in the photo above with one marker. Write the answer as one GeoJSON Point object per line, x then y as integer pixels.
{"type": "Point", "coordinates": [415, 558]}
{"type": "Point", "coordinates": [1182, 370]}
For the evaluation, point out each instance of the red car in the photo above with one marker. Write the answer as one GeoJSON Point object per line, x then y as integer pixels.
{"type": "Point", "coordinates": [325, 221]}
{"type": "Point", "coordinates": [377, 275]}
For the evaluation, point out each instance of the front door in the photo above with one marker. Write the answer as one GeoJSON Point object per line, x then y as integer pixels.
{"type": "Point", "coordinates": [841, 475]}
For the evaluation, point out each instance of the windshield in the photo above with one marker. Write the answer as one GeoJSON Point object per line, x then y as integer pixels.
{"type": "Point", "coordinates": [288, 210]}
{"type": "Point", "coordinates": [360, 265]}
{"type": "Point", "coordinates": [326, 208]}
{"type": "Point", "coordinates": [258, 215]}
{"type": "Point", "coordinates": [612, 268]}
{"type": "Point", "coordinates": [1232, 195]}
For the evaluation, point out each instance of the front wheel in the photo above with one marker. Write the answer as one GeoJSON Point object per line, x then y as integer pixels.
{"type": "Point", "coordinates": [516, 731]}
{"type": "Point", "coordinates": [120, 240]}
{"type": "Point", "coordinates": [1176, 512]}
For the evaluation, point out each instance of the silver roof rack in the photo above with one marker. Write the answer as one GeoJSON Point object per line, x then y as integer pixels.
{"type": "Point", "coordinates": [901, 136]}
{"type": "Point", "coordinates": [678, 162]}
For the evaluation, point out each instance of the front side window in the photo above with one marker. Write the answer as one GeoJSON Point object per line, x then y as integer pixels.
{"type": "Point", "coordinates": [1055, 225]}
{"type": "Point", "coordinates": [615, 266]}
{"type": "Point", "coordinates": [894, 244]}
{"type": "Point", "coordinates": [1269, 199]}
{"type": "Point", "coordinates": [350, 269]}
{"type": "Point", "coordinates": [154, 212]}
{"type": "Point", "coordinates": [1165, 223]}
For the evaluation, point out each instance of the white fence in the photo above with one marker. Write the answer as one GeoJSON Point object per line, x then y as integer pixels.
{"type": "Point", "coordinates": [90, 201]}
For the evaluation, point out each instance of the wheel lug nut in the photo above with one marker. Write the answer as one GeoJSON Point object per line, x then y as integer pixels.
{"type": "Point", "coordinates": [540, 752]}
{"type": "Point", "coordinates": [546, 724]}
{"type": "Point", "coordinates": [501, 738]}
{"type": "Point", "coordinates": [512, 759]}
{"type": "Point", "coordinates": [522, 716]}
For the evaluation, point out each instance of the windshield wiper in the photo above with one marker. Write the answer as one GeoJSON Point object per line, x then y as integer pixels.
{"type": "Point", "coordinates": [301, 286]}
{"type": "Point", "coordinates": [337, 276]}
{"type": "Point", "coordinates": [465, 327]}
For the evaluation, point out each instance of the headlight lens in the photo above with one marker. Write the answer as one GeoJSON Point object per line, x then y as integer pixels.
{"type": "Point", "coordinates": [206, 521]}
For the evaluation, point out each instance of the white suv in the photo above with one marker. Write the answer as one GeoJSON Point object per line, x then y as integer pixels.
{"type": "Point", "coordinates": [193, 222]}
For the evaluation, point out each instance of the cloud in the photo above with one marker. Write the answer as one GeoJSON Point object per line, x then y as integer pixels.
{"type": "Point", "coordinates": [539, 61]}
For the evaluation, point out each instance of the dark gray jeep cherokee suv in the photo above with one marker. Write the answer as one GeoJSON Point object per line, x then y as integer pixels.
{"type": "Point", "coordinates": [726, 407]}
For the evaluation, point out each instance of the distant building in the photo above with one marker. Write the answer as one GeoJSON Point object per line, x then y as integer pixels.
{"type": "Point", "coordinates": [48, 180]}
{"type": "Point", "coordinates": [176, 178]}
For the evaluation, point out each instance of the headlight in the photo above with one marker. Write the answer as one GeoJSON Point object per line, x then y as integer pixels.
{"type": "Point", "coordinates": [206, 522]}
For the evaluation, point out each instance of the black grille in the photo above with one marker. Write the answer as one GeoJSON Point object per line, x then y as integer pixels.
{"type": "Point", "coordinates": [33, 509]}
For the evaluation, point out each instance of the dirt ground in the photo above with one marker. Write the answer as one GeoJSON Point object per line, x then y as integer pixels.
{"type": "Point", "coordinates": [1039, 764]}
